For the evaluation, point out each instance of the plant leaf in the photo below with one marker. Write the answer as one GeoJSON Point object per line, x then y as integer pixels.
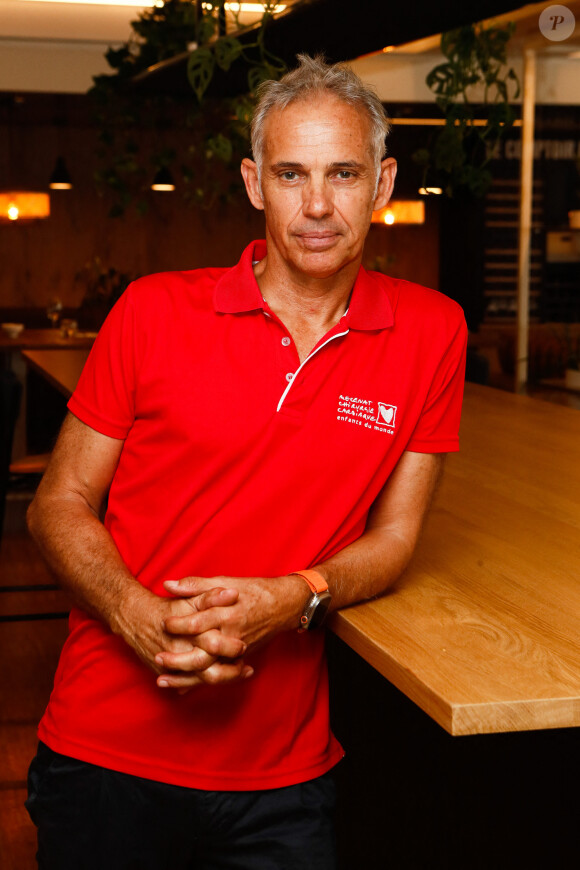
{"type": "Point", "coordinates": [227, 50]}
{"type": "Point", "coordinates": [200, 67]}
{"type": "Point", "coordinates": [257, 75]}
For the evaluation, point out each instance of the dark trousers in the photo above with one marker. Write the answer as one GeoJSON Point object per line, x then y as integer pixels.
{"type": "Point", "coordinates": [91, 818]}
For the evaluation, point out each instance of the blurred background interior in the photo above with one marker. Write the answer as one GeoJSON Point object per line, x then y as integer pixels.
{"type": "Point", "coordinates": [110, 168]}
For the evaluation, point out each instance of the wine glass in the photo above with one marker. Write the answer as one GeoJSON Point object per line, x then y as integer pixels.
{"type": "Point", "coordinates": [53, 310]}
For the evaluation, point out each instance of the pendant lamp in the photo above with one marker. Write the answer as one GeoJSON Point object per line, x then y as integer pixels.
{"type": "Point", "coordinates": [60, 178]}
{"type": "Point", "coordinates": [163, 180]}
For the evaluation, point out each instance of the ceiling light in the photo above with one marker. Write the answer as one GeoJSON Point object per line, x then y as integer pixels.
{"type": "Point", "coordinates": [163, 180]}
{"type": "Point", "coordinates": [60, 178]}
{"type": "Point", "coordinates": [247, 7]}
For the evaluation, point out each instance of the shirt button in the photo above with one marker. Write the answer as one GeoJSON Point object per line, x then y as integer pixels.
{"type": "Point", "coordinates": [289, 376]}
{"type": "Point", "coordinates": [285, 341]}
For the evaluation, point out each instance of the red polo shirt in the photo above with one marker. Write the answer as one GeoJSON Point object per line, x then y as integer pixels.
{"type": "Point", "coordinates": [240, 461]}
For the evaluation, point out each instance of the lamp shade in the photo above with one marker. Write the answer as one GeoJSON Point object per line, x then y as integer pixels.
{"type": "Point", "coordinates": [163, 180]}
{"type": "Point", "coordinates": [401, 211]}
{"type": "Point", "coordinates": [60, 178]}
{"type": "Point", "coordinates": [23, 205]}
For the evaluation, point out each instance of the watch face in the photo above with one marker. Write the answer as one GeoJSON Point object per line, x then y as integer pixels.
{"type": "Point", "coordinates": [317, 610]}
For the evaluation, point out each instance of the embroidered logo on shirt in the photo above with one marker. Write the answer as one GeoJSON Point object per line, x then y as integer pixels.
{"type": "Point", "coordinates": [378, 416]}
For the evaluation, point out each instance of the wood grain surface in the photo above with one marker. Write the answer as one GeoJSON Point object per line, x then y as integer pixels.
{"type": "Point", "coordinates": [483, 631]}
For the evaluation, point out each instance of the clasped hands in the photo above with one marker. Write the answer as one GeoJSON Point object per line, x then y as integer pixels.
{"type": "Point", "coordinates": [203, 632]}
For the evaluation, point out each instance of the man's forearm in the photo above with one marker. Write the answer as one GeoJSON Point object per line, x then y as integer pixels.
{"type": "Point", "coordinates": [364, 569]}
{"type": "Point", "coordinates": [373, 562]}
{"type": "Point", "coordinates": [83, 557]}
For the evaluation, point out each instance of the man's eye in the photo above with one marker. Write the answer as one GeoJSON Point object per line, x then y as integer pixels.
{"type": "Point", "coordinates": [345, 173]}
{"type": "Point", "coordinates": [290, 175]}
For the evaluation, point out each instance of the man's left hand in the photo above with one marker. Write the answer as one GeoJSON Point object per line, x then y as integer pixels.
{"type": "Point", "coordinates": [265, 607]}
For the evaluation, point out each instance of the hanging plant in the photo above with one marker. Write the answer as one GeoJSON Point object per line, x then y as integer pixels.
{"type": "Point", "coordinates": [199, 138]}
{"type": "Point", "coordinates": [472, 89]}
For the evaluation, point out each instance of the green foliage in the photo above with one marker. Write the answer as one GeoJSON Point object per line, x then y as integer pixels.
{"type": "Point", "coordinates": [200, 68]}
{"type": "Point", "coordinates": [458, 155]}
{"type": "Point", "coordinates": [139, 133]}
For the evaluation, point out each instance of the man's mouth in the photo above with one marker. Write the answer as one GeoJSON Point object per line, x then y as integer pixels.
{"type": "Point", "coordinates": [317, 239]}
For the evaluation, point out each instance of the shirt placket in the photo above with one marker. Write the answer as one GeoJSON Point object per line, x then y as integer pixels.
{"type": "Point", "coordinates": [289, 363]}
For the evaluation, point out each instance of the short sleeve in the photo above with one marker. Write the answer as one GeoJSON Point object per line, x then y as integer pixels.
{"type": "Point", "coordinates": [437, 430]}
{"type": "Point", "coordinates": [105, 395]}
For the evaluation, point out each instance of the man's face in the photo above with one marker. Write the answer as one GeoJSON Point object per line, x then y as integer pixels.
{"type": "Point", "coordinates": [318, 185]}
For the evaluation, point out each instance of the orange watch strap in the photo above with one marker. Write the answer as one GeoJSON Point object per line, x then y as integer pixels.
{"type": "Point", "coordinates": [315, 580]}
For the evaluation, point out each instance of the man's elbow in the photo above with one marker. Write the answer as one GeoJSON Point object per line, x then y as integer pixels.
{"type": "Point", "coordinates": [34, 517]}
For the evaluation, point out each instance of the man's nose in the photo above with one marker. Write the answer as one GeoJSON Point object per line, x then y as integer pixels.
{"type": "Point", "coordinates": [318, 199]}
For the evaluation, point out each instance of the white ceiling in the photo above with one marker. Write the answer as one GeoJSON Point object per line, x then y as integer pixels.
{"type": "Point", "coordinates": [59, 46]}
{"type": "Point", "coordinates": [28, 19]}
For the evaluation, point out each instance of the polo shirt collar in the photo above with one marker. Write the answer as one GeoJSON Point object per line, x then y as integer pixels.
{"type": "Point", "coordinates": [237, 292]}
{"type": "Point", "coordinates": [370, 306]}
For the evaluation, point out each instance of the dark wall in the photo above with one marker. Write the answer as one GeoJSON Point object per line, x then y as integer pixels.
{"type": "Point", "coordinates": [44, 258]}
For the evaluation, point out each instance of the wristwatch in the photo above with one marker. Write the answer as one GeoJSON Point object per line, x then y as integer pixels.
{"type": "Point", "coordinates": [317, 605]}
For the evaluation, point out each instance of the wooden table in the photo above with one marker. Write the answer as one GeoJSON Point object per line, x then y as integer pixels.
{"type": "Point", "coordinates": [43, 339]}
{"type": "Point", "coordinates": [11, 356]}
{"type": "Point", "coordinates": [483, 633]}
{"type": "Point", "coordinates": [62, 368]}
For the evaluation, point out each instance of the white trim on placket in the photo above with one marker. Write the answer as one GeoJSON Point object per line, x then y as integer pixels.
{"type": "Point", "coordinates": [301, 366]}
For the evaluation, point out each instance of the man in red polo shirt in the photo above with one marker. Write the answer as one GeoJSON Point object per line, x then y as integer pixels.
{"type": "Point", "coordinates": [267, 439]}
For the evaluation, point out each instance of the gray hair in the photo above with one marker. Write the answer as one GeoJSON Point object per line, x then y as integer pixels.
{"type": "Point", "coordinates": [313, 76]}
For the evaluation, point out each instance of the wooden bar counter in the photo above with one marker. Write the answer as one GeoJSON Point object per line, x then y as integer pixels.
{"type": "Point", "coordinates": [483, 632]}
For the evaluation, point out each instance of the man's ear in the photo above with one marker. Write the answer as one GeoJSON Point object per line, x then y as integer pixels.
{"type": "Point", "coordinates": [249, 172]}
{"type": "Point", "coordinates": [386, 183]}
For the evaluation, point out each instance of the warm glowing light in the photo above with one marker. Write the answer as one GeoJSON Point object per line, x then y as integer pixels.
{"type": "Point", "coordinates": [248, 7]}
{"type": "Point", "coordinates": [236, 8]}
{"type": "Point", "coordinates": [21, 205]}
{"type": "Point", "coordinates": [428, 191]}
{"type": "Point", "coordinates": [60, 178]}
{"type": "Point", "coordinates": [401, 211]}
{"type": "Point", "coordinates": [163, 180]}
{"type": "Point", "coordinates": [252, 7]}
